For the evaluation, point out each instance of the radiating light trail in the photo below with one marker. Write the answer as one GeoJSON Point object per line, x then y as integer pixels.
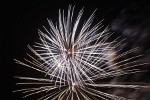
{"type": "Point", "coordinates": [75, 59]}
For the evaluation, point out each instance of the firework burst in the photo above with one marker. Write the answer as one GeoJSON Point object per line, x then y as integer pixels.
{"type": "Point", "coordinates": [74, 59]}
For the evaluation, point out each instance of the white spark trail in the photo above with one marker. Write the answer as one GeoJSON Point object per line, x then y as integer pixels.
{"type": "Point", "coordinates": [74, 58]}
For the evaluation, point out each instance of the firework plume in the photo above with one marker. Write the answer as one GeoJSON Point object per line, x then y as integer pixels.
{"type": "Point", "coordinates": [75, 57]}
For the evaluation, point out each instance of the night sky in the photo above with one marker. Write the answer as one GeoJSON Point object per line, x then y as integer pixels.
{"type": "Point", "coordinates": [22, 19]}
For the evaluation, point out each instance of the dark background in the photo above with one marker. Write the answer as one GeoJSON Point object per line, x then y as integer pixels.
{"type": "Point", "coordinates": [22, 19]}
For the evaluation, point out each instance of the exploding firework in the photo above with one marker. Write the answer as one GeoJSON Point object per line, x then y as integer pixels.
{"type": "Point", "coordinates": [75, 59]}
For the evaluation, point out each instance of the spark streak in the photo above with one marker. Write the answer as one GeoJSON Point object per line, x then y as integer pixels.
{"type": "Point", "coordinates": [74, 57]}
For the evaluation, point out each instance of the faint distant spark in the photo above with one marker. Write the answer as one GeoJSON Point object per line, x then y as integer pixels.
{"type": "Point", "coordinates": [74, 58]}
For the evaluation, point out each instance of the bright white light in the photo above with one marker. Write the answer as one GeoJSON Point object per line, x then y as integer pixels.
{"type": "Point", "coordinates": [74, 57]}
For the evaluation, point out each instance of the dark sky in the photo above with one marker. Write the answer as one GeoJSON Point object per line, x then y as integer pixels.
{"type": "Point", "coordinates": [21, 19]}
